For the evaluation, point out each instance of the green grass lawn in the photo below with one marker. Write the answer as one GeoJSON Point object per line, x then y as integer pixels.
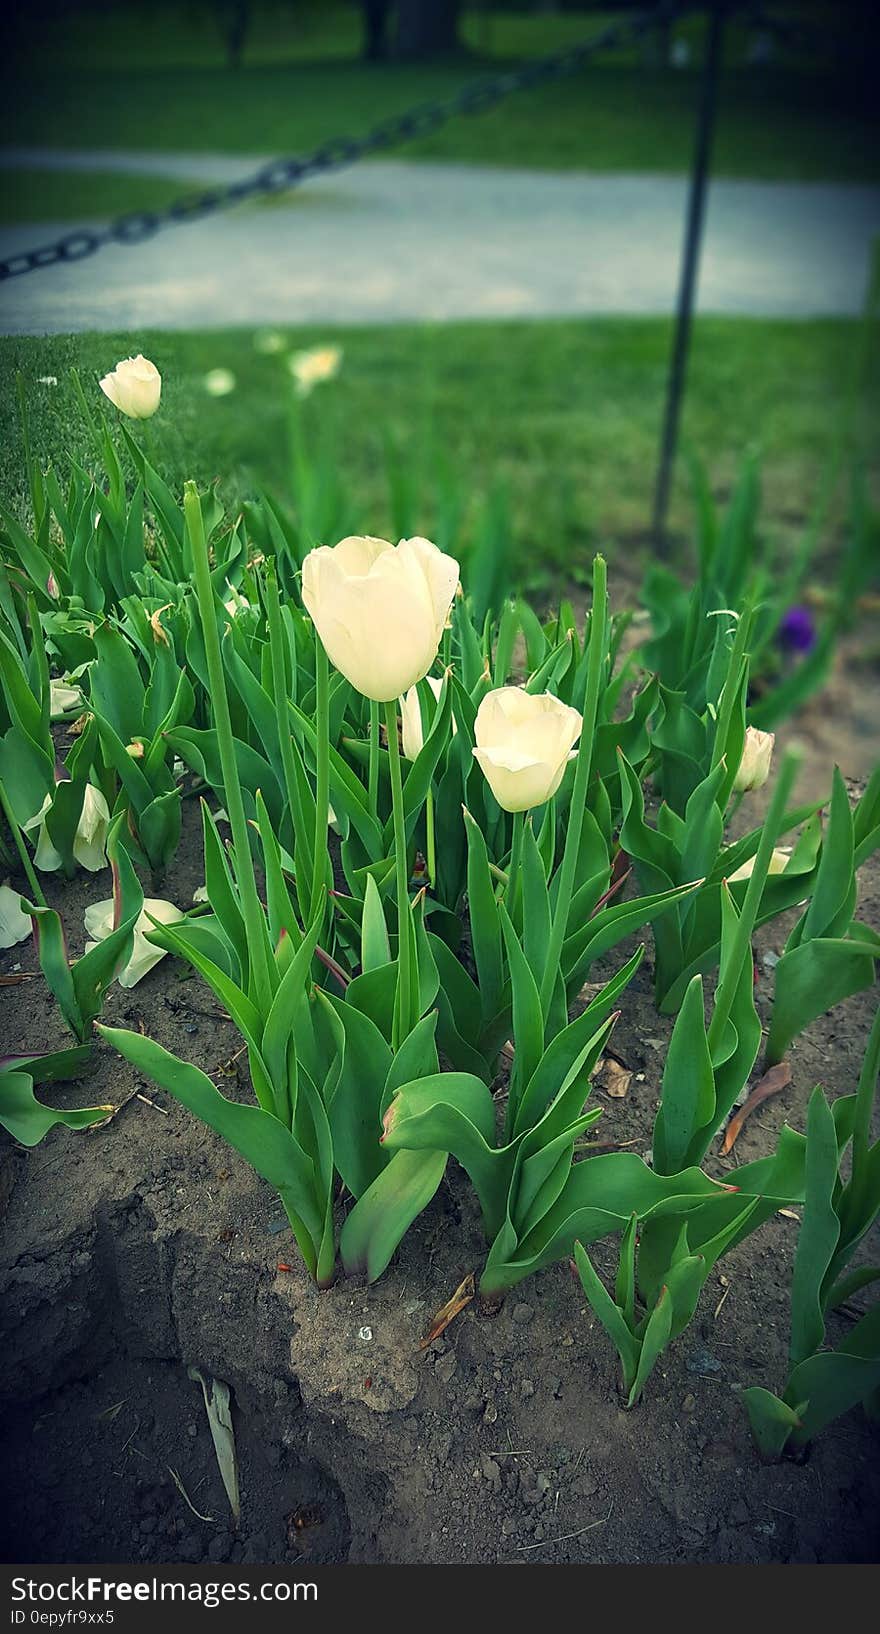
{"type": "Point", "coordinates": [61, 195]}
{"type": "Point", "coordinates": [129, 80]}
{"type": "Point", "coordinates": [98, 195]}
{"type": "Point", "coordinates": [564, 414]}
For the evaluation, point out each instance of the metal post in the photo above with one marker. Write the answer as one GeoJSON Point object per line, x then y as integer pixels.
{"type": "Point", "coordinates": [689, 268]}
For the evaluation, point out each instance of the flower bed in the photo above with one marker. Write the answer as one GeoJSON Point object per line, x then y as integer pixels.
{"type": "Point", "coordinates": [410, 998]}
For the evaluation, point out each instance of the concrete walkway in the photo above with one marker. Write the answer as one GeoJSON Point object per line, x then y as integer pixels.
{"type": "Point", "coordinates": [392, 242]}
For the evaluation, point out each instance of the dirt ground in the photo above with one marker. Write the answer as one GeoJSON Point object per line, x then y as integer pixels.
{"type": "Point", "coordinates": [137, 1250]}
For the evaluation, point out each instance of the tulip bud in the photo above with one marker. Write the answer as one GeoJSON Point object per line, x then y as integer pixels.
{"type": "Point", "coordinates": [134, 387]}
{"type": "Point", "coordinates": [411, 733]}
{"type": "Point", "coordinates": [379, 609]}
{"type": "Point", "coordinates": [524, 742]}
{"type": "Point", "coordinates": [754, 768]}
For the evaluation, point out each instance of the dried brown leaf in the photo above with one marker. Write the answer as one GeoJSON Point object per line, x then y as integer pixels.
{"type": "Point", "coordinates": [772, 1083]}
{"type": "Point", "coordinates": [463, 1295]}
{"type": "Point", "coordinates": [615, 1079]}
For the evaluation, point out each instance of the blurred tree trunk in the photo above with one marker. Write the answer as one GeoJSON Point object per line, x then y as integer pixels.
{"type": "Point", "coordinates": [238, 14]}
{"type": "Point", "coordinates": [426, 28]}
{"type": "Point", "coordinates": [376, 29]}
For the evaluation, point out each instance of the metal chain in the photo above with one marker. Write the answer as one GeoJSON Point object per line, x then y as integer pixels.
{"type": "Point", "coordinates": [341, 151]}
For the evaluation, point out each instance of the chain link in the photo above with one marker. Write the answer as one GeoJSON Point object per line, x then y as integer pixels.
{"type": "Point", "coordinates": [341, 151]}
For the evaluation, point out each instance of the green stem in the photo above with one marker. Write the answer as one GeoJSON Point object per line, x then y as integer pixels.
{"type": "Point", "coordinates": [21, 848]}
{"type": "Point", "coordinates": [405, 987]}
{"type": "Point", "coordinates": [303, 484]}
{"type": "Point", "coordinates": [773, 822]}
{"type": "Point", "coordinates": [732, 811]}
{"type": "Point", "coordinates": [282, 712]}
{"type": "Point", "coordinates": [34, 479]}
{"type": "Point", "coordinates": [87, 412]}
{"type": "Point", "coordinates": [731, 689]}
{"type": "Point", "coordinates": [514, 866]}
{"type": "Point", "coordinates": [568, 867]}
{"type": "Point", "coordinates": [322, 772]}
{"type": "Point", "coordinates": [255, 925]}
{"type": "Point", "coordinates": [374, 756]}
{"type": "Point", "coordinates": [431, 858]}
{"type": "Point", "coordinates": [861, 1140]}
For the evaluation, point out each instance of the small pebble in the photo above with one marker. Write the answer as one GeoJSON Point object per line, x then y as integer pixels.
{"type": "Point", "coordinates": [490, 1471]}
{"type": "Point", "coordinates": [703, 1362]}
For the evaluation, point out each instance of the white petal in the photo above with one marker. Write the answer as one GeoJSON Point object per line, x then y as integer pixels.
{"type": "Point", "coordinates": [14, 925]}
{"type": "Point", "coordinates": [46, 858]}
{"type": "Point", "coordinates": [62, 698]}
{"type": "Point", "coordinates": [98, 919]}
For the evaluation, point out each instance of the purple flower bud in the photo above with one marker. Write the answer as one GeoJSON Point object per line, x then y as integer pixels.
{"type": "Point", "coordinates": [797, 630]}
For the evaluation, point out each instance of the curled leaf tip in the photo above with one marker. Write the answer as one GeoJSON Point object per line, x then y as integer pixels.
{"type": "Point", "coordinates": [388, 1121]}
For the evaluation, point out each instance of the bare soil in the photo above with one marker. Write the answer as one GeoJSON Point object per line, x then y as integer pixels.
{"type": "Point", "coordinates": [146, 1246]}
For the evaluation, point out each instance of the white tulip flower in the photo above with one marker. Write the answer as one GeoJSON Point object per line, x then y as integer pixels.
{"type": "Point", "coordinates": [524, 743]}
{"type": "Point", "coordinates": [380, 609]}
{"type": "Point", "coordinates": [134, 387]}
{"type": "Point", "coordinates": [312, 368]}
{"type": "Point", "coordinates": [754, 767]}
{"type": "Point", "coordinates": [99, 924]}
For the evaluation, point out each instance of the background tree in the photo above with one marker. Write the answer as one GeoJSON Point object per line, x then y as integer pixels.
{"type": "Point", "coordinates": [376, 14]}
{"type": "Point", "coordinates": [427, 28]}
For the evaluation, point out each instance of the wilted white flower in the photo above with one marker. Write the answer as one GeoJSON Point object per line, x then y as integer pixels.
{"type": "Point", "coordinates": [99, 924]}
{"type": "Point", "coordinates": [219, 382]}
{"type": "Point", "coordinates": [63, 697]}
{"type": "Point", "coordinates": [89, 841]}
{"type": "Point", "coordinates": [14, 925]}
{"type": "Point", "coordinates": [311, 368]}
{"type": "Point", "coordinates": [134, 387]}
{"type": "Point", "coordinates": [200, 894]}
